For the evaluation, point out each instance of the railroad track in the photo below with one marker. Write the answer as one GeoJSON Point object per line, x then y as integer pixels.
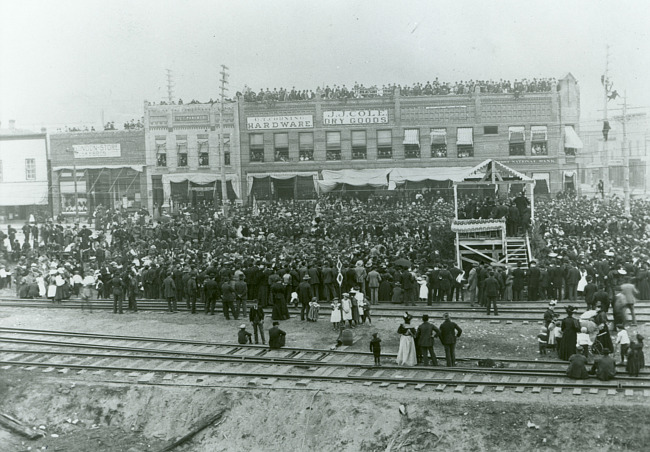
{"type": "Point", "coordinates": [158, 360]}
{"type": "Point", "coordinates": [514, 311]}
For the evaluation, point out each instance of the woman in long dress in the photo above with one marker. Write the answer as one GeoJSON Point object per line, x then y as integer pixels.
{"type": "Point", "coordinates": [635, 358]}
{"type": "Point", "coordinates": [583, 281]}
{"type": "Point", "coordinates": [406, 355]}
{"type": "Point", "coordinates": [570, 328]}
{"type": "Point", "coordinates": [643, 282]}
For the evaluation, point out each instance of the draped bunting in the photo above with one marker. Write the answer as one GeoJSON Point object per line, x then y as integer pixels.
{"type": "Point", "coordinates": [137, 168]}
{"type": "Point", "coordinates": [358, 178]}
{"type": "Point", "coordinates": [478, 225]}
{"type": "Point", "coordinates": [401, 175]}
{"type": "Point", "coordinates": [198, 178]}
{"type": "Point", "coordinates": [279, 176]}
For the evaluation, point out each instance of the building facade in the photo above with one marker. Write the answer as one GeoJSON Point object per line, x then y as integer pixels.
{"type": "Point", "coordinates": [24, 174]}
{"type": "Point", "coordinates": [110, 169]}
{"type": "Point", "coordinates": [183, 147]}
{"type": "Point", "coordinates": [295, 149]}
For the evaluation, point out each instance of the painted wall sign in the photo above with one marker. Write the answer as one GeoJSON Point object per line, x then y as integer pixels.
{"type": "Point", "coordinates": [89, 151]}
{"type": "Point", "coordinates": [352, 117]}
{"type": "Point", "coordinates": [280, 122]}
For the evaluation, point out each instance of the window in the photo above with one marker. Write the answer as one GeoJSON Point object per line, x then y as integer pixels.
{"type": "Point", "coordinates": [161, 151]}
{"type": "Point", "coordinates": [226, 149]}
{"type": "Point", "coordinates": [517, 140]}
{"type": "Point", "coordinates": [281, 147]}
{"type": "Point", "coordinates": [204, 152]}
{"type": "Point", "coordinates": [572, 141]}
{"type": "Point", "coordinates": [538, 139]}
{"type": "Point", "coordinates": [438, 143]}
{"type": "Point", "coordinates": [305, 146]}
{"type": "Point", "coordinates": [412, 143]}
{"type": "Point", "coordinates": [257, 147]}
{"type": "Point", "coordinates": [359, 148]}
{"type": "Point", "coordinates": [30, 169]}
{"type": "Point", "coordinates": [181, 147]}
{"type": "Point", "coordinates": [465, 142]}
{"type": "Point", "coordinates": [384, 144]}
{"type": "Point", "coordinates": [333, 145]}
{"type": "Point", "coordinates": [490, 130]}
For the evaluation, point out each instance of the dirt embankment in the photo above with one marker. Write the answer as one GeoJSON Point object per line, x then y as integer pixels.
{"type": "Point", "coordinates": [84, 417]}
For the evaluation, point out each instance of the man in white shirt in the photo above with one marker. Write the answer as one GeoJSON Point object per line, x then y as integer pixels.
{"type": "Point", "coordinates": [623, 339]}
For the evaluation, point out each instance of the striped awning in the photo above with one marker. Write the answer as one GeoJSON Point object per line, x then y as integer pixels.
{"type": "Point", "coordinates": [465, 136]}
{"type": "Point", "coordinates": [571, 138]}
{"type": "Point", "coordinates": [438, 136]}
{"type": "Point", "coordinates": [538, 133]}
{"type": "Point", "coordinates": [516, 134]}
{"type": "Point", "coordinates": [412, 136]}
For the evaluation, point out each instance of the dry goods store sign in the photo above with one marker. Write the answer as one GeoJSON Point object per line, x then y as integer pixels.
{"type": "Point", "coordinates": [347, 117]}
{"type": "Point", "coordinates": [280, 122]}
{"type": "Point", "coordinates": [88, 151]}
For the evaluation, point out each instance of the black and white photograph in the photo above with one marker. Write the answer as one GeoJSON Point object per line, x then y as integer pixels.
{"type": "Point", "coordinates": [338, 225]}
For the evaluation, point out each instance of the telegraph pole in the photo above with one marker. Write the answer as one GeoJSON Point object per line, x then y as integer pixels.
{"type": "Point", "coordinates": [222, 152]}
{"type": "Point", "coordinates": [605, 157]}
{"type": "Point", "coordinates": [626, 160]}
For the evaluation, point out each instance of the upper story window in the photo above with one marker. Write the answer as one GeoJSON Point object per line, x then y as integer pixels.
{"type": "Point", "coordinates": [30, 169]}
{"type": "Point", "coordinates": [281, 147]}
{"type": "Point", "coordinates": [438, 143]}
{"type": "Point", "coordinates": [465, 142]}
{"type": "Point", "coordinates": [538, 140]}
{"type": "Point", "coordinates": [161, 151]}
{"type": "Point", "coordinates": [384, 144]}
{"type": "Point", "coordinates": [181, 147]}
{"type": "Point", "coordinates": [412, 143]}
{"type": "Point", "coordinates": [516, 140]}
{"type": "Point", "coordinates": [572, 141]}
{"type": "Point", "coordinates": [204, 152]}
{"type": "Point", "coordinates": [359, 147]}
{"type": "Point", "coordinates": [305, 146]}
{"type": "Point", "coordinates": [256, 141]}
{"type": "Point", "coordinates": [490, 130]}
{"type": "Point", "coordinates": [333, 145]}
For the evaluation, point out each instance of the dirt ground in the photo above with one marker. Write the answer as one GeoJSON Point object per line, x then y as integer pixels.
{"type": "Point", "coordinates": [323, 417]}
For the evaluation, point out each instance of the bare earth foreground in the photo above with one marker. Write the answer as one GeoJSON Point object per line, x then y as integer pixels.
{"type": "Point", "coordinates": [103, 413]}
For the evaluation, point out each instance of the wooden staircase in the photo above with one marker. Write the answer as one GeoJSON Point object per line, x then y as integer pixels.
{"type": "Point", "coordinates": [517, 251]}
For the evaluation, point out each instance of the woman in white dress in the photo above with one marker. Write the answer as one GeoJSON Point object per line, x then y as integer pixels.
{"type": "Point", "coordinates": [424, 288]}
{"type": "Point", "coordinates": [583, 281]}
{"type": "Point", "coordinates": [335, 316]}
{"type": "Point", "coordinates": [346, 309]}
{"type": "Point", "coordinates": [406, 355]}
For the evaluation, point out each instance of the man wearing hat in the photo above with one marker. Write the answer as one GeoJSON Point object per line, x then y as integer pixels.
{"type": "Point", "coordinates": [424, 340]}
{"type": "Point", "coordinates": [277, 337]}
{"type": "Point", "coordinates": [550, 316]}
{"type": "Point", "coordinates": [243, 336]}
{"type": "Point", "coordinates": [449, 331]}
{"type": "Point", "coordinates": [305, 294]}
{"type": "Point", "coordinates": [534, 276]}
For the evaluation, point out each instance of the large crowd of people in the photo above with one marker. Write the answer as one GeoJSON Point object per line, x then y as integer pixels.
{"type": "Point", "coordinates": [430, 88]}
{"type": "Point", "coordinates": [388, 248]}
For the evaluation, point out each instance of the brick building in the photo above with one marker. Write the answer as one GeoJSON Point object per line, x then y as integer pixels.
{"type": "Point", "coordinates": [294, 149]}
{"type": "Point", "coordinates": [182, 153]}
{"type": "Point", "coordinates": [110, 171]}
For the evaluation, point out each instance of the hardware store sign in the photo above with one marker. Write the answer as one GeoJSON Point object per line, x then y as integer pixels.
{"type": "Point", "coordinates": [352, 117]}
{"type": "Point", "coordinates": [280, 122]}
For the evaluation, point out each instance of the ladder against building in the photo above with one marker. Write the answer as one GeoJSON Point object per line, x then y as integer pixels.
{"type": "Point", "coordinates": [485, 240]}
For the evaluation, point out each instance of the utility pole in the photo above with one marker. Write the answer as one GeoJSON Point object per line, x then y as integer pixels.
{"type": "Point", "coordinates": [626, 160]}
{"type": "Point", "coordinates": [605, 157]}
{"type": "Point", "coordinates": [222, 152]}
{"type": "Point", "coordinates": [170, 86]}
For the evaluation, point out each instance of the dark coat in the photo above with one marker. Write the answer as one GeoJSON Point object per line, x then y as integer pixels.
{"type": "Point", "coordinates": [277, 337]}
{"type": "Point", "coordinates": [448, 331]}
{"type": "Point", "coordinates": [169, 287]}
{"type": "Point", "coordinates": [491, 287]}
{"type": "Point", "coordinates": [256, 315]}
{"type": "Point", "coordinates": [305, 292]}
{"type": "Point", "coordinates": [425, 334]}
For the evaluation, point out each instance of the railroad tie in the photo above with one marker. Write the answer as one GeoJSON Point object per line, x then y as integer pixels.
{"type": "Point", "coordinates": [459, 388]}
{"type": "Point", "coordinates": [385, 384]}
{"type": "Point", "coordinates": [441, 387]}
{"type": "Point", "coordinates": [146, 378]}
{"type": "Point", "coordinates": [499, 389]}
{"type": "Point", "coordinates": [577, 391]}
{"type": "Point", "coordinates": [646, 393]}
{"type": "Point", "coordinates": [269, 381]}
{"type": "Point", "coordinates": [519, 389]}
{"type": "Point", "coordinates": [479, 389]}
{"type": "Point", "coordinates": [593, 390]}
{"type": "Point", "coordinates": [629, 392]}
{"type": "Point", "coordinates": [401, 385]}
{"type": "Point", "coordinates": [611, 391]}
{"type": "Point", "coordinates": [557, 390]}
{"type": "Point", "coordinates": [419, 386]}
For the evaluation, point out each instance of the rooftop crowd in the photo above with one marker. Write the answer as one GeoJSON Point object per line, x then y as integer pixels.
{"type": "Point", "coordinates": [430, 88]}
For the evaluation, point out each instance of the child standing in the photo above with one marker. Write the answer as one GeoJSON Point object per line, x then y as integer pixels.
{"type": "Point", "coordinates": [623, 339]}
{"type": "Point", "coordinates": [551, 336]}
{"type": "Point", "coordinates": [366, 311]}
{"type": "Point", "coordinates": [542, 341]}
{"type": "Point", "coordinates": [583, 341]}
{"type": "Point", "coordinates": [335, 316]}
{"type": "Point", "coordinates": [314, 307]}
{"type": "Point", "coordinates": [558, 335]}
{"type": "Point", "coordinates": [375, 348]}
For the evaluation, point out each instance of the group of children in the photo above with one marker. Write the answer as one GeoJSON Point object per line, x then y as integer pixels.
{"type": "Point", "coordinates": [353, 308]}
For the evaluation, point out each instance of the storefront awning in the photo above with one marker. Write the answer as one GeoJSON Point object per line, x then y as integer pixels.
{"type": "Point", "coordinates": [358, 178]}
{"type": "Point", "coordinates": [85, 167]}
{"type": "Point", "coordinates": [412, 136]}
{"type": "Point", "coordinates": [516, 134]}
{"type": "Point", "coordinates": [401, 175]}
{"type": "Point", "coordinates": [23, 193]}
{"type": "Point", "coordinates": [571, 138]}
{"type": "Point", "coordinates": [198, 178]}
{"type": "Point", "coordinates": [280, 176]}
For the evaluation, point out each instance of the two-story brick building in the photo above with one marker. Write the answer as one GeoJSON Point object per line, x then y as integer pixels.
{"type": "Point", "coordinates": [110, 171]}
{"type": "Point", "coordinates": [183, 153]}
{"type": "Point", "coordinates": [294, 149]}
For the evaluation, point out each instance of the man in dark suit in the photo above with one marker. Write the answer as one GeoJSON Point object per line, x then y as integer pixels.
{"type": "Point", "coordinates": [449, 331]}
{"type": "Point", "coordinates": [456, 286]}
{"type": "Point", "coordinates": [518, 276]}
{"type": "Point", "coordinates": [211, 289]}
{"type": "Point", "coordinates": [256, 317]}
{"type": "Point", "coordinates": [533, 281]}
{"type": "Point", "coordinates": [305, 295]}
{"type": "Point", "coordinates": [277, 337]}
{"type": "Point", "coordinates": [314, 279]}
{"type": "Point", "coordinates": [572, 278]}
{"type": "Point", "coordinates": [424, 339]}
{"type": "Point", "coordinates": [491, 288]}
{"type": "Point", "coordinates": [328, 277]}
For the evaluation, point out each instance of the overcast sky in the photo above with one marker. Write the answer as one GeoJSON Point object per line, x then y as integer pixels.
{"type": "Point", "coordinates": [62, 62]}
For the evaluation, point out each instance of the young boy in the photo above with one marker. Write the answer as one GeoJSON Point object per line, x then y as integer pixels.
{"type": "Point", "coordinates": [375, 348]}
{"type": "Point", "coordinates": [623, 339]}
{"type": "Point", "coordinates": [583, 341]}
{"type": "Point", "coordinates": [542, 341]}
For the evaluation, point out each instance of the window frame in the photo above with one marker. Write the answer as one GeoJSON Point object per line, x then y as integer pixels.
{"type": "Point", "coordinates": [333, 152]}
{"type": "Point", "coordinates": [359, 152]}
{"type": "Point", "coordinates": [462, 149]}
{"type": "Point", "coordinates": [256, 151]}
{"type": "Point", "coordinates": [485, 130]}
{"type": "Point", "coordinates": [280, 154]}
{"type": "Point", "coordinates": [30, 169]}
{"type": "Point", "coordinates": [305, 153]}
{"type": "Point", "coordinates": [437, 148]}
{"type": "Point", "coordinates": [385, 151]}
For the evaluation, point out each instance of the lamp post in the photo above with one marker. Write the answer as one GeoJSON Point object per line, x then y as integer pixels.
{"type": "Point", "coordinates": [76, 193]}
